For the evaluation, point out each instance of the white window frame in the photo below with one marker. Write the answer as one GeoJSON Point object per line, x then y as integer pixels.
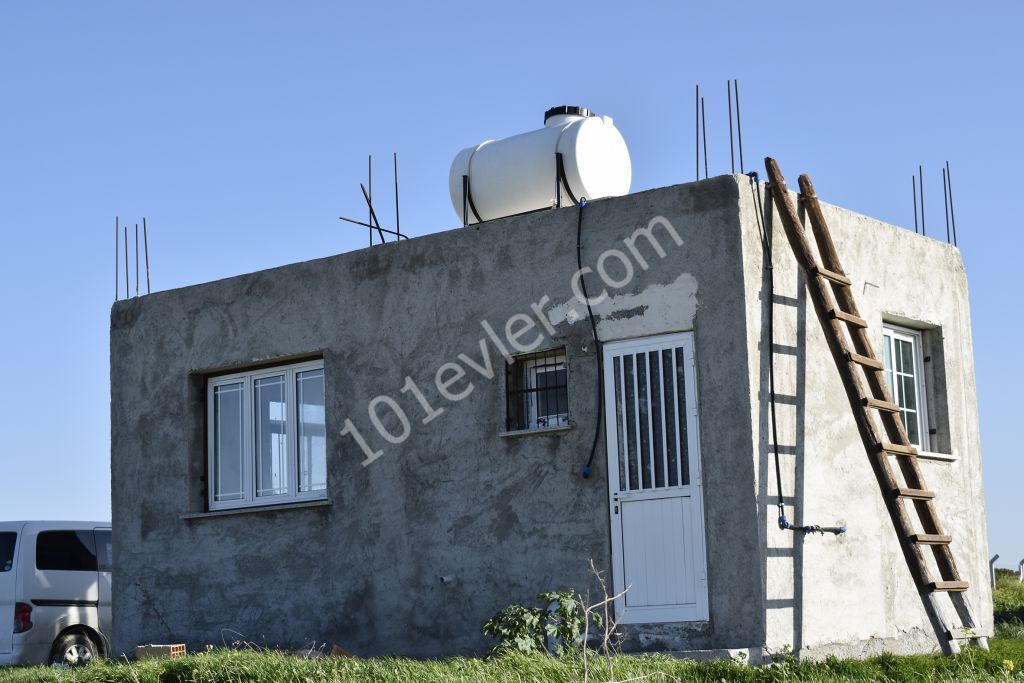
{"type": "Point", "coordinates": [916, 340]}
{"type": "Point", "coordinates": [248, 379]}
{"type": "Point", "coordinates": [532, 367]}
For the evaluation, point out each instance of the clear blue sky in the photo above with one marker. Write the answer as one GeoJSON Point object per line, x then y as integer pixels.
{"type": "Point", "coordinates": [241, 129]}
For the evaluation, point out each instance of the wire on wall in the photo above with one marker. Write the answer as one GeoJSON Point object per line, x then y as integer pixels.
{"type": "Point", "coordinates": [597, 342]}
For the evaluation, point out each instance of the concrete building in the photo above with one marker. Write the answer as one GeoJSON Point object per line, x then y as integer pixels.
{"type": "Point", "coordinates": [337, 450]}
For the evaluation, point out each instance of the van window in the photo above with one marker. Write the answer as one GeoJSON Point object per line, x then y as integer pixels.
{"type": "Point", "coordinates": [104, 550]}
{"type": "Point", "coordinates": [7, 539]}
{"type": "Point", "coordinates": [73, 551]}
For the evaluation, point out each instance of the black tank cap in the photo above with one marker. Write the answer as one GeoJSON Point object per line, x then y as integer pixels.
{"type": "Point", "coordinates": [566, 110]}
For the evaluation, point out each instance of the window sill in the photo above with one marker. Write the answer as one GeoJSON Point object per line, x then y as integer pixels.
{"type": "Point", "coordinates": [937, 457]}
{"type": "Point", "coordinates": [540, 430]}
{"type": "Point", "coordinates": [192, 516]}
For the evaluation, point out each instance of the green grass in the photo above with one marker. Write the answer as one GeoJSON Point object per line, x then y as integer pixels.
{"type": "Point", "coordinates": [1008, 598]}
{"type": "Point", "coordinates": [1004, 662]}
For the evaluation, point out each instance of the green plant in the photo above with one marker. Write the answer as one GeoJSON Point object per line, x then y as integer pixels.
{"type": "Point", "coordinates": [517, 628]}
{"type": "Point", "coordinates": [783, 657]}
{"type": "Point", "coordinates": [1008, 599]}
{"type": "Point", "coordinates": [526, 629]}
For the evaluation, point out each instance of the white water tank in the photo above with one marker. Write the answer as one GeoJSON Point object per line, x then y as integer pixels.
{"type": "Point", "coordinates": [518, 174]}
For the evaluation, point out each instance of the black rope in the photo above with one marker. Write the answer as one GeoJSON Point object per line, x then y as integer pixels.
{"type": "Point", "coordinates": [766, 246]}
{"type": "Point", "coordinates": [593, 329]}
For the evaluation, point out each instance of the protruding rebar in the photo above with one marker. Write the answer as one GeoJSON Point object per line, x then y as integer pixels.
{"type": "Point", "coordinates": [952, 213]}
{"type": "Point", "coordinates": [704, 125]}
{"type": "Point", "coordinates": [145, 243]}
{"type": "Point", "coordinates": [945, 202]}
{"type": "Point", "coordinates": [739, 126]}
{"type": "Point", "coordinates": [117, 258]}
{"type": "Point", "coordinates": [732, 156]}
{"type": "Point", "coordinates": [920, 182]}
{"type": "Point", "coordinates": [373, 216]}
{"type": "Point", "coordinates": [127, 294]}
{"type": "Point", "coordinates": [913, 182]}
{"type": "Point", "coordinates": [369, 201]}
{"type": "Point", "coordinates": [372, 227]}
{"type": "Point", "coordinates": [136, 259]}
{"type": "Point", "coordinates": [398, 222]}
{"type": "Point", "coordinates": [696, 123]}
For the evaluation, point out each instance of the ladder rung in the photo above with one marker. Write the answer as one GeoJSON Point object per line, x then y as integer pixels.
{"type": "Point", "coordinates": [914, 494]}
{"type": "Point", "coordinates": [834, 277]}
{"type": "Point", "coordinates": [896, 449]}
{"type": "Point", "coordinates": [931, 539]}
{"type": "Point", "coordinates": [848, 317]}
{"type": "Point", "coordinates": [963, 633]}
{"type": "Point", "coordinates": [881, 405]}
{"type": "Point", "coordinates": [949, 586]}
{"type": "Point", "coordinates": [864, 360]}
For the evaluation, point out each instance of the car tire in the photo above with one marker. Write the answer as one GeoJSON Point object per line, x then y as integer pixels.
{"type": "Point", "coordinates": [74, 649]}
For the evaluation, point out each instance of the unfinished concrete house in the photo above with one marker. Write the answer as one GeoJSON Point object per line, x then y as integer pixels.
{"type": "Point", "coordinates": [382, 448]}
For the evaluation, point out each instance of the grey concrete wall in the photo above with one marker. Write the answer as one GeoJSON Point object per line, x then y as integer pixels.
{"type": "Point", "coordinates": [508, 517]}
{"type": "Point", "coordinates": [854, 595]}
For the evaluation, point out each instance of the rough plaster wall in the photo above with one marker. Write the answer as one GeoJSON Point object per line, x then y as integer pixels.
{"type": "Point", "coordinates": [633, 315]}
{"type": "Point", "coordinates": [854, 595]}
{"type": "Point", "coordinates": [507, 517]}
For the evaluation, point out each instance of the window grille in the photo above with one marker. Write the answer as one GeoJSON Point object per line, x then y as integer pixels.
{"type": "Point", "coordinates": [537, 391]}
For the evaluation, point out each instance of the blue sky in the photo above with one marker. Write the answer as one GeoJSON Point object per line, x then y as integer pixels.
{"type": "Point", "coordinates": [241, 129]}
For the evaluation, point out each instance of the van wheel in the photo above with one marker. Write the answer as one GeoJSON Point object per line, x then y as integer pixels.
{"type": "Point", "coordinates": [74, 649]}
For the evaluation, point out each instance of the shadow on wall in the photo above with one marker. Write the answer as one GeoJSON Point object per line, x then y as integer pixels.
{"type": "Point", "coordinates": [788, 305]}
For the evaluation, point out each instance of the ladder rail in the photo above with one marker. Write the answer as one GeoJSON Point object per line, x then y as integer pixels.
{"type": "Point", "coordinates": [834, 326]}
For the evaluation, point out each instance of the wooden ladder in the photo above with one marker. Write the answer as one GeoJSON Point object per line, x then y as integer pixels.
{"type": "Point", "coordinates": [841, 321]}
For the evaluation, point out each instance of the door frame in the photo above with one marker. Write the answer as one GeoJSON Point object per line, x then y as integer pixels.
{"type": "Point", "coordinates": [674, 613]}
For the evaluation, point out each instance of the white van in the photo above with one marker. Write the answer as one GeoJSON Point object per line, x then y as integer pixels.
{"type": "Point", "coordinates": [55, 590]}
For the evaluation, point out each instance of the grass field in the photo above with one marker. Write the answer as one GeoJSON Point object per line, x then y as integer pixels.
{"type": "Point", "coordinates": [1004, 662]}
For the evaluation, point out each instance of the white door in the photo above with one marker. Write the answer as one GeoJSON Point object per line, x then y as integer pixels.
{"type": "Point", "coordinates": [657, 510]}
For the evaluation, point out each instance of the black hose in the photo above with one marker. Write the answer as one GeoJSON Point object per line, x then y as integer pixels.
{"type": "Point", "coordinates": [597, 341]}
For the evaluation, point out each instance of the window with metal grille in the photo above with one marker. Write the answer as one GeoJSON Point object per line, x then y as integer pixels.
{"type": "Point", "coordinates": [537, 394]}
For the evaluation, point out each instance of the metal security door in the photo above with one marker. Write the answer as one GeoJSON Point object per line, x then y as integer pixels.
{"type": "Point", "coordinates": [657, 511]}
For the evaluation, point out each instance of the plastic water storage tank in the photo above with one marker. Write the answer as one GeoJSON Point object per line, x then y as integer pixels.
{"type": "Point", "coordinates": [518, 174]}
